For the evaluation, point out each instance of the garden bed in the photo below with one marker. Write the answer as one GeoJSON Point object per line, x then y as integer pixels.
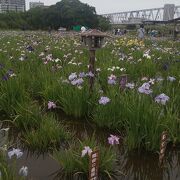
{"type": "Point", "coordinates": [46, 103]}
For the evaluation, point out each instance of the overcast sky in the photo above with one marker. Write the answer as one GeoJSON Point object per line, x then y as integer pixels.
{"type": "Point", "coordinates": [110, 6]}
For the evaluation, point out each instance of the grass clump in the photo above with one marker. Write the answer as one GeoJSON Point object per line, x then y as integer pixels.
{"type": "Point", "coordinates": [49, 136]}
{"type": "Point", "coordinates": [74, 166]}
{"type": "Point", "coordinates": [28, 117]}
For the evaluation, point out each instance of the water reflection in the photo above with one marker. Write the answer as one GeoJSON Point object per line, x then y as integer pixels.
{"type": "Point", "coordinates": [135, 165]}
{"type": "Point", "coordinates": [172, 169]}
{"type": "Point", "coordinates": [145, 166]}
{"type": "Point", "coordinates": [39, 168]}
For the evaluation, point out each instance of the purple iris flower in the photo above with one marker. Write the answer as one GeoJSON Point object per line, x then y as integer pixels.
{"type": "Point", "coordinates": [113, 139]}
{"type": "Point", "coordinates": [51, 105]}
{"type": "Point", "coordinates": [72, 76]}
{"type": "Point", "coordinates": [90, 74]}
{"type": "Point", "coordinates": [104, 100]}
{"type": "Point", "coordinates": [145, 89]}
{"type": "Point", "coordinates": [77, 81]}
{"type": "Point", "coordinates": [82, 74]}
{"type": "Point", "coordinates": [162, 99]}
{"type": "Point", "coordinates": [130, 85]}
{"type": "Point", "coordinates": [112, 79]}
{"type": "Point", "coordinates": [86, 150]}
{"type": "Point", "coordinates": [16, 152]}
{"type": "Point", "coordinates": [10, 72]}
{"type": "Point", "coordinates": [171, 79]}
{"type": "Point", "coordinates": [5, 77]}
{"type": "Point", "coordinates": [30, 48]}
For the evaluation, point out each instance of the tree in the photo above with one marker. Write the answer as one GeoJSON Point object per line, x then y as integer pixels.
{"type": "Point", "coordinates": [73, 12]}
{"type": "Point", "coordinates": [66, 13]}
{"type": "Point", "coordinates": [104, 23]}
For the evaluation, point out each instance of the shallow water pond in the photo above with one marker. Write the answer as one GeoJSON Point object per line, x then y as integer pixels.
{"type": "Point", "coordinates": [142, 166]}
{"type": "Point", "coordinates": [40, 168]}
{"type": "Point", "coordinates": [134, 165]}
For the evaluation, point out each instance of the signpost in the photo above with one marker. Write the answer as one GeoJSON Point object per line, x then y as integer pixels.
{"type": "Point", "coordinates": [163, 145]}
{"type": "Point", "coordinates": [94, 165]}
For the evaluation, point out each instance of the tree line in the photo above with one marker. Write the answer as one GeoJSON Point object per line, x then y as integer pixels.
{"type": "Point", "coordinates": [66, 13]}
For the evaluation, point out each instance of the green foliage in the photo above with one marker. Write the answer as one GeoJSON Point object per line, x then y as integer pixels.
{"type": "Point", "coordinates": [74, 100]}
{"type": "Point", "coordinates": [65, 13]}
{"type": "Point", "coordinates": [24, 96]}
{"type": "Point", "coordinates": [50, 135]}
{"type": "Point", "coordinates": [111, 114]}
{"type": "Point", "coordinates": [131, 27]}
{"type": "Point", "coordinates": [73, 166]}
{"type": "Point", "coordinates": [7, 172]}
{"type": "Point", "coordinates": [12, 20]}
{"type": "Point", "coordinates": [104, 23]}
{"type": "Point", "coordinates": [12, 93]}
{"type": "Point", "coordinates": [79, 14]}
{"type": "Point", "coordinates": [28, 117]}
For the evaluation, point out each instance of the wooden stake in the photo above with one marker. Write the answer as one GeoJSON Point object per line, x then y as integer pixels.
{"type": "Point", "coordinates": [94, 165]}
{"type": "Point", "coordinates": [163, 145]}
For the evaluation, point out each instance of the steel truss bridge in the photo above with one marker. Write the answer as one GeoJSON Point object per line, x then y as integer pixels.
{"type": "Point", "coordinates": [136, 17]}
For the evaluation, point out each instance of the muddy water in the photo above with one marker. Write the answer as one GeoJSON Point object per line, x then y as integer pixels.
{"type": "Point", "coordinates": [39, 168]}
{"type": "Point", "coordinates": [134, 165]}
{"type": "Point", "coordinates": [144, 166]}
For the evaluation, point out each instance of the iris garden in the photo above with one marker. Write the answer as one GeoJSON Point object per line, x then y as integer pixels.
{"type": "Point", "coordinates": [44, 78]}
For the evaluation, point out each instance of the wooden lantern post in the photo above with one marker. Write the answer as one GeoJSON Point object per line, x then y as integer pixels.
{"type": "Point", "coordinates": [94, 40]}
{"type": "Point", "coordinates": [92, 53]}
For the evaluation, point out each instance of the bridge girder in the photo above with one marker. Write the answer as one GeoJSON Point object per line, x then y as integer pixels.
{"type": "Point", "coordinates": [155, 14]}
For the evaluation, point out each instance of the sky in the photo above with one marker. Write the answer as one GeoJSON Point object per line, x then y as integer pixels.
{"type": "Point", "coordinates": [112, 6]}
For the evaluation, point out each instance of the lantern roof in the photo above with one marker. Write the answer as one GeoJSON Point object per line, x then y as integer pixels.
{"type": "Point", "coordinates": [94, 32]}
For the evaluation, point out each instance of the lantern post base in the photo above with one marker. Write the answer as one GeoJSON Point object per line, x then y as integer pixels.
{"type": "Point", "coordinates": [91, 69]}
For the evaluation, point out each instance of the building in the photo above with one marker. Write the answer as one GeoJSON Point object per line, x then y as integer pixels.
{"type": "Point", "coordinates": [169, 11]}
{"type": "Point", "coordinates": [36, 4]}
{"type": "Point", "coordinates": [12, 5]}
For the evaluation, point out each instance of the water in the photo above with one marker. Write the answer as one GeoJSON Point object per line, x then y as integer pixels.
{"type": "Point", "coordinates": [39, 168]}
{"type": "Point", "coordinates": [134, 166]}
{"type": "Point", "coordinates": [145, 166]}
